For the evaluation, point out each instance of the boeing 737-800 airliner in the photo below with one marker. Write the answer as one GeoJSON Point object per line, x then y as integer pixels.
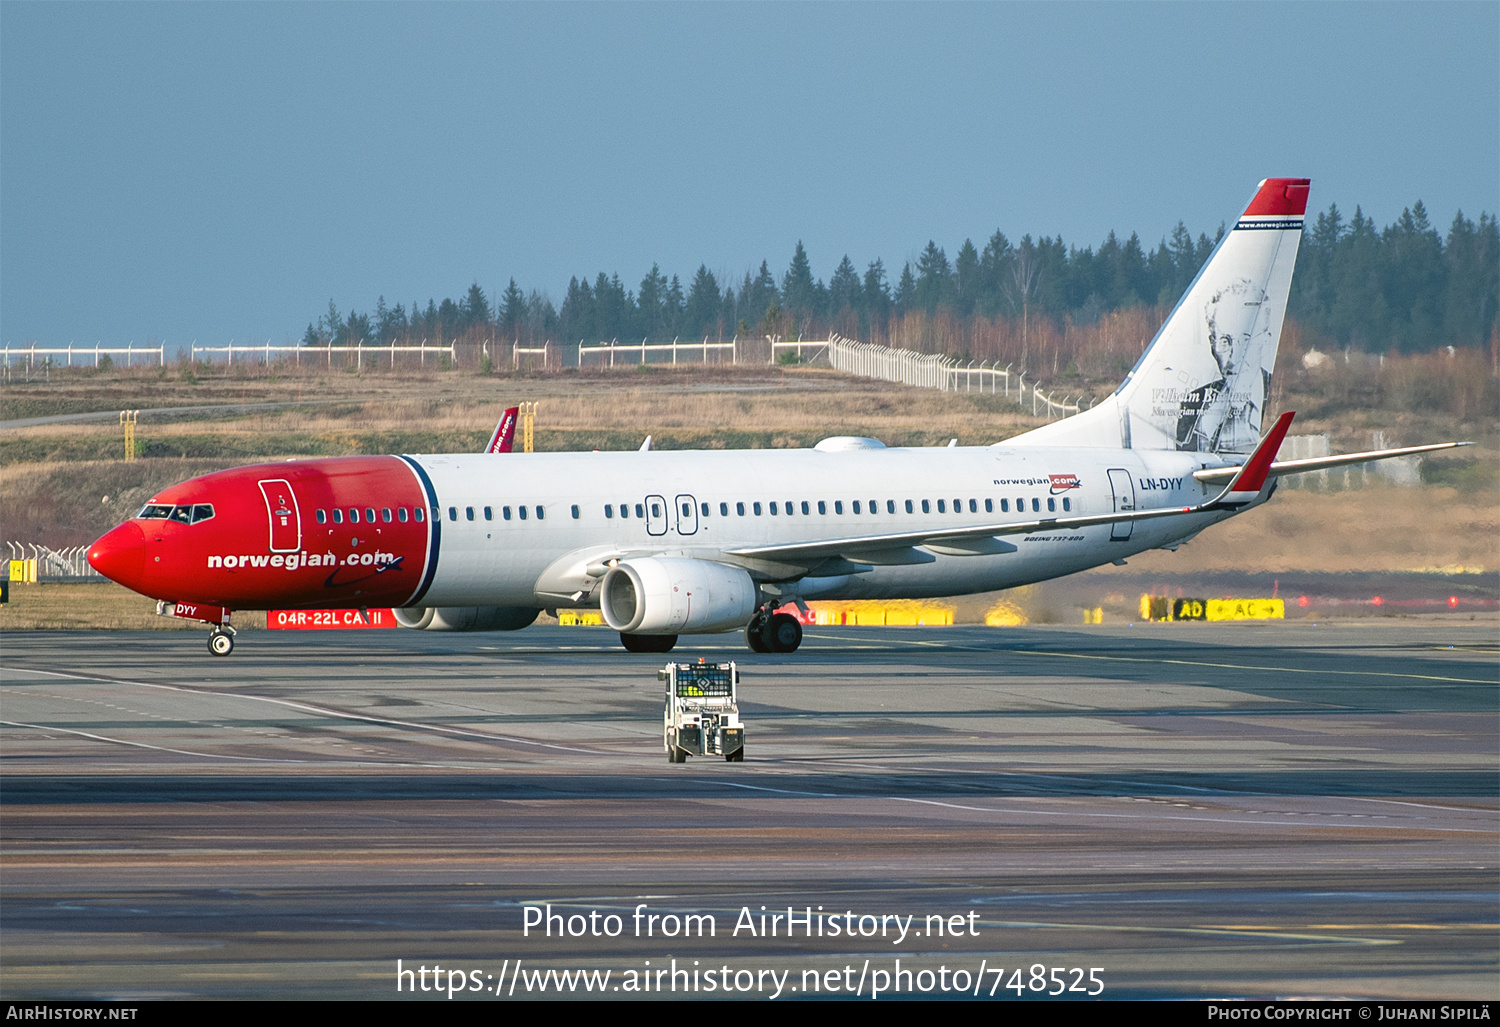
{"type": "Point", "coordinates": [672, 543]}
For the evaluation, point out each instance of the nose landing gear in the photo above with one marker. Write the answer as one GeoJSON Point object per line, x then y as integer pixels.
{"type": "Point", "coordinates": [772, 632]}
{"type": "Point", "coordinates": [221, 640]}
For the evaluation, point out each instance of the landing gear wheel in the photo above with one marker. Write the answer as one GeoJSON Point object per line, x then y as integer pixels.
{"type": "Point", "coordinates": [782, 634]}
{"type": "Point", "coordinates": [647, 643]}
{"type": "Point", "coordinates": [754, 634]}
{"type": "Point", "coordinates": [220, 643]}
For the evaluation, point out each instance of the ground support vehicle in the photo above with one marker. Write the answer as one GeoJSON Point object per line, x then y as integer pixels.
{"type": "Point", "coordinates": [702, 713]}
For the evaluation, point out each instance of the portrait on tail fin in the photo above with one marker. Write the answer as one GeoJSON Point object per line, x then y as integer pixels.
{"type": "Point", "coordinates": [1224, 416]}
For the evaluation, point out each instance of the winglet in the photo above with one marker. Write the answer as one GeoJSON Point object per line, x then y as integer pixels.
{"type": "Point", "coordinates": [1252, 477]}
{"type": "Point", "coordinates": [505, 432]}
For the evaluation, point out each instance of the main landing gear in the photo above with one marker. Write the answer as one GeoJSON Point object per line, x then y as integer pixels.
{"type": "Point", "coordinates": [772, 632]}
{"type": "Point", "coordinates": [221, 640]}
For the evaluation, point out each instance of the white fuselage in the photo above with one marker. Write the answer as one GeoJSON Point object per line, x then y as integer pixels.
{"type": "Point", "coordinates": [704, 503]}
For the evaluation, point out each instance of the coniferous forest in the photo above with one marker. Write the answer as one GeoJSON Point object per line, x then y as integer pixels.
{"type": "Point", "coordinates": [1042, 304]}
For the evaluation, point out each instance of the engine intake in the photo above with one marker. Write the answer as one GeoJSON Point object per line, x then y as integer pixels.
{"type": "Point", "coordinates": [662, 595]}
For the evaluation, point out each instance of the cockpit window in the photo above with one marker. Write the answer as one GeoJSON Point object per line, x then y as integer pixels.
{"type": "Point", "coordinates": [188, 513]}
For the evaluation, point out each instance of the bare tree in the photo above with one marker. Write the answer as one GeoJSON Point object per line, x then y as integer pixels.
{"type": "Point", "coordinates": [1025, 276]}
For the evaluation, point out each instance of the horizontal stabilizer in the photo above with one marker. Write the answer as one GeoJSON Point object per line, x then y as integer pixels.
{"type": "Point", "coordinates": [1323, 463]}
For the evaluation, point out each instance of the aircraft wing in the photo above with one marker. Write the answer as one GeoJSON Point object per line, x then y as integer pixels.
{"type": "Point", "coordinates": [1245, 485]}
{"type": "Point", "coordinates": [1321, 463]}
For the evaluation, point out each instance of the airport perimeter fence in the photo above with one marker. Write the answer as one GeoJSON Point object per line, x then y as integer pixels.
{"type": "Point", "coordinates": [935, 371]}
{"type": "Point", "coordinates": [30, 562]}
{"type": "Point", "coordinates": [63, 356]}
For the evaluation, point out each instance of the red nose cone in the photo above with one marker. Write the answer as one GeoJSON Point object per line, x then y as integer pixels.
{"type": "Point", "coordinates": [121, 554]}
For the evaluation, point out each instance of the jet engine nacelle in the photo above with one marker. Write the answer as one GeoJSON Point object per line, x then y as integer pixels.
{"type": "Point", "coordinates": [662, 595]}
{"type": "Point", "coordinates": [466, 618]}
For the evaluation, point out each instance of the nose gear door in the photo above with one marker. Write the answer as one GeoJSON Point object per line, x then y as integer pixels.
{"type": "Point", "coordinates": [281, 509]}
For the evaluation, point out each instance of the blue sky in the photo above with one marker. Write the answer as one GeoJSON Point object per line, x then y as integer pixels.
{"type": "Point", "coordinates": [218, 171]}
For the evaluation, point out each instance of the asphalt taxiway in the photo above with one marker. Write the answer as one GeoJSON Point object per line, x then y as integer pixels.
{"type": "Point", "coordinates": [1196, 810]}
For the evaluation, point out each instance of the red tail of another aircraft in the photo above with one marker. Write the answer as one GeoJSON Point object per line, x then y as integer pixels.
{"type": "Point", "coordinates": [505, 432]}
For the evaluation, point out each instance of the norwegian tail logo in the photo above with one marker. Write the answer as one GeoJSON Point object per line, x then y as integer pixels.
{"type": "Point", "coordinates": [1203, 383]}
{"type": "Point", "coordinates": [505, 432]}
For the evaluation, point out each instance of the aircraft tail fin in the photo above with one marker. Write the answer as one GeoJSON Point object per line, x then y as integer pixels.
{"type": "Point", "coordinates": [1203, 383]}
{"type": "Point", "coordinates": [505, 432]}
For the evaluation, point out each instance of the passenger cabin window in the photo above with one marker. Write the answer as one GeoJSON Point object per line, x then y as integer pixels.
{"type": "Point", "coordinates": [522, 511]}
{"type": "Point", "coordinates": [756, 508]}
{"type": "Point", "coordinates": [773, 509]}
{"type": "Point", "coordinates": [926, 506]}
{"type": "Point", "coordinates": [540, 513]}
{"type": "Point", "coordinates": [505, 513]}
{"type": "Point", "coordinates": [489, 513]}
{"type": "Point", "coordinates": [958, 506]}
{"type": "Point", "coordinates": [369, 515]}
{"type": "Point", "coordinates": [385, 515]}
{"type": "Point", "coordinates": [1067, 504]}
{"type": "Point", "coordinates": [838, 506]}
{"type": "Point", "coordinates": [687, 509]}
{"type": "Point", "coordinates": [942, 507]}
{"type": "Point", "coordinates": [401, 514]}
{"type": "Point", "coordinates": [724, 510]}
{"type": "Point", "coordinates": [452, 513]}
{"type": "Point", "coordinates": [640, 510]}
{"type": "Point", "coordinates": [705, 510]}
{"type": "Point", "coordinates": [609, 512]}
{"type": "Point", "coordinates": [624, 511]}
{"type": "Point", "coordinates": [575, 511]}
{"type": "Point", "coordinates": [806, 509]}
{"type": "Point", "coordinates": [338, 516]}
{"type": "Point", "coordinates": [890, 506]}
{"type": "Point", "coordinates": [1036, 506]}
{"type": "Point", "coordinates": [323, 517]}
{"type": "Point", "coordinates": [354, 515]}
{"type": "Point", "coordinates": [989, 506]}
{"type": "Point", "coordinates": [739, 508]}
{"type": "Point", "coordinates": [418, 514]}
{"type": "Point", "coordinates": [1052, 506]}
{"type": "Point", "coordinates": [822, 507]}
{"type": "Point", "coordinates": [856, 506]}
{"type": "Point", "coordinates": [1004, 505]}
{"type": "Point", "coordinates": [908, 506]}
